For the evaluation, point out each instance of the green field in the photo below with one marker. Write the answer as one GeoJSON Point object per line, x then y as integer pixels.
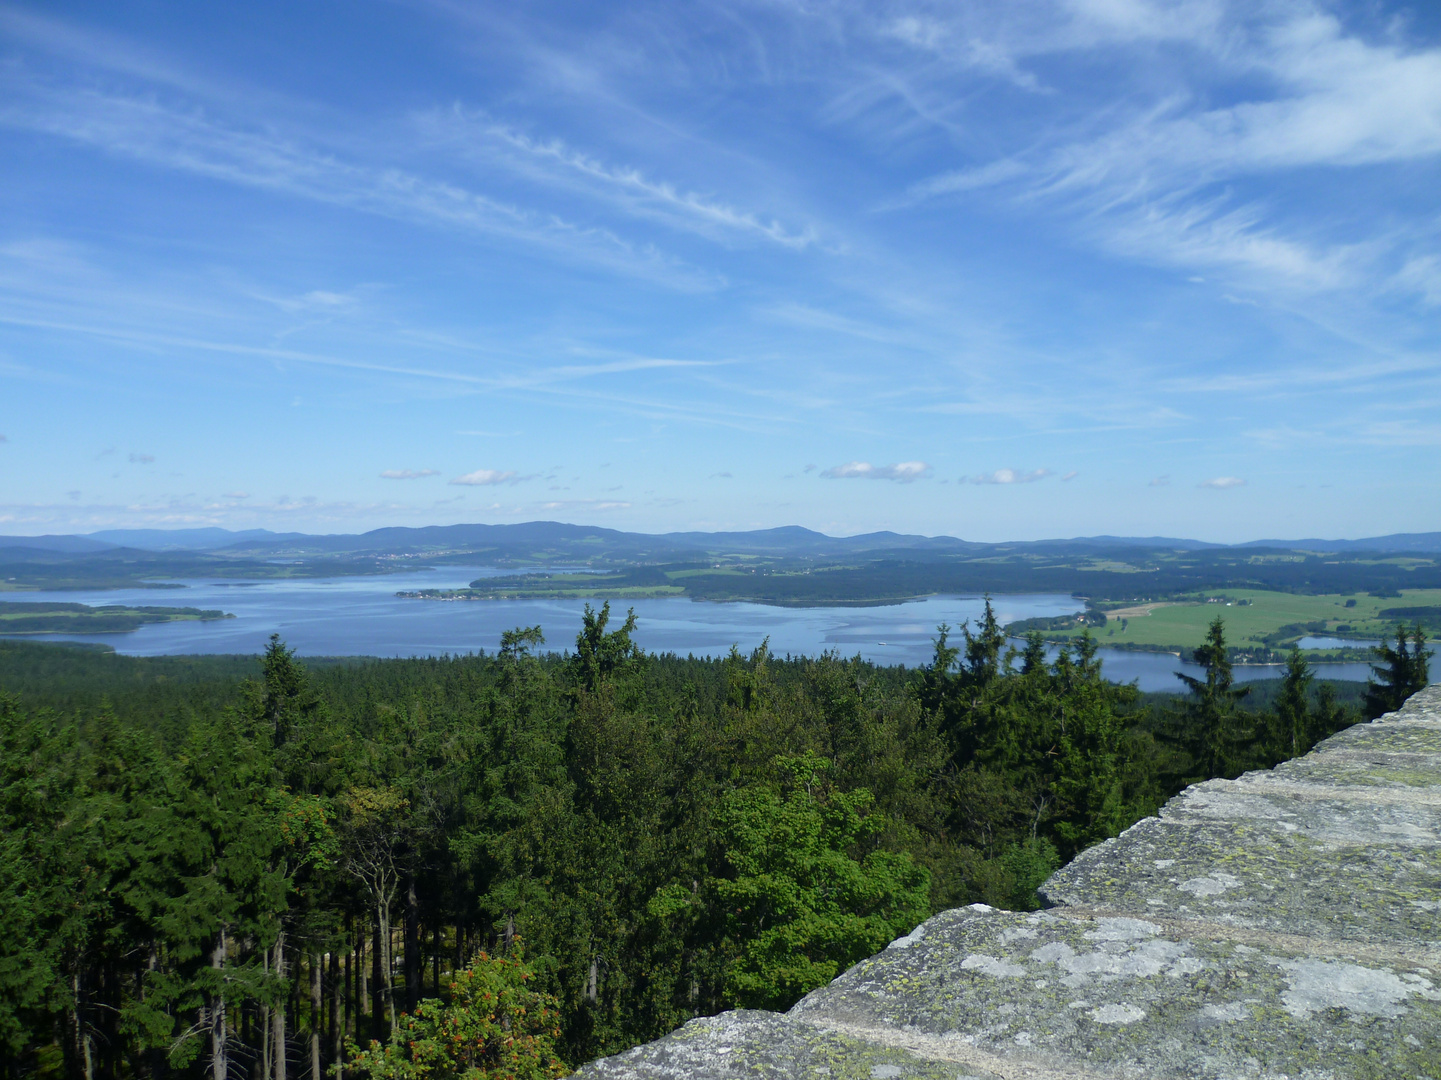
{"type": "Point", "coordinates": [1254, 619]}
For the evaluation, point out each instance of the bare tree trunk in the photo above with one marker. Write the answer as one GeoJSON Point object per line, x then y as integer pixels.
{"type": "Point", "coordinates": [387, 962]}
{"type": "Point", "coordinates": [278, 1017]}
{"type": "Point", "coordinates": [377, 984]}
{"type": "Point", "coordinates": [159, 1062]}
{"type": "Point", "coordinates": [412, 944]}
{"type": "Point", "coordinates": [351, 990]}
{"type": "Point", "coordinates": [336, 996]}
{"type": "Point", "coordinates": [317, 1012]}
{"type": "Point", "coordinates": [592, 985]}
{"type": "Point", "coordinates": [362, 983]}
{"type": "Point", "coordinates": [84, 1054]}
{"type": "Point", "coordinates": [263, 1036]}
{"type": "Point", "coordinates": [219, 1048]}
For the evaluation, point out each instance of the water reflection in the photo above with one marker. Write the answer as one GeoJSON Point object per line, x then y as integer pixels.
{"type": "Point", "coordinates": [1336, 643]}
{"type": "Point", "coordinates": [362, 616]}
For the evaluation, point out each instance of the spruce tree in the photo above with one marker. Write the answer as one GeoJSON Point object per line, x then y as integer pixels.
{"type": "Point", "coordinates": [1402, 671]}
{"type": "Point", "coordinates": [1291, 734]}
{"type": "Point", "coordinates": [1214, 723]}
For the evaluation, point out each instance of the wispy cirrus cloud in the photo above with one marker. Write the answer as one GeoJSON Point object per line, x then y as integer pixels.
{"type": "Point", "coordinates": [981, 176]}
{"type": "Point", "coordinates": [903, 472]}
{"type": "Point", "coordinates": [1222, 483]}
{"type": "Point", "coordinates": [552, 160]}
{"type": "Point", "coordinates": [488, 477]}
{"type": "Point", "coordinates": [408, 474]}
{"type": "Point", "coordinates": [193, 136]}
{"type": "Point", "coordinates": [580, 504]}
{"type": "Point", "coordinates": [1155, 180]}
{"type": "Point", "coordinates": [1011, 476]}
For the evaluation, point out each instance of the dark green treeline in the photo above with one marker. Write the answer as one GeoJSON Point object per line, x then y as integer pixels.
{"type": "Point", "coordinates": [221, 869]}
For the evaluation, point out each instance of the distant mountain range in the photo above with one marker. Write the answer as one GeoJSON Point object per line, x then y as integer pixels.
{"type": "Point", "coordinates": [790, 540]}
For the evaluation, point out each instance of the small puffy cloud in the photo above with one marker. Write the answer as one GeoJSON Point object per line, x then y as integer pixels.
{"type": "Point", "coordinates": [408, 474]}
{"type": "Point", "coordinates": [1160, 481]}
{"type": "Point", "coordinates": [904, 471]}
{"type": "Point", "coordinates": [720, 476]}
{"type": "Point", "coordinates": [1011, 476]}
{"type": "Point", "coordinates": [485, 477]}
{"type": "Point", "coordinates": [809, 468]}
{"type": "Point", "coordinates": [1223, 482]}
{"type": "Point", "coordinates": [237, 494]}
{"type": "Point", "coordinates": [1070, 476]}
{"type": "Point", "coordinates": [584, 504]}
{"type": "Point", "coordinates": [143, 459]}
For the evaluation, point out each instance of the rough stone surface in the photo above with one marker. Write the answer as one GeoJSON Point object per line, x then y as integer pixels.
{"type": "Point", "coordinates": [763, 1044]}
{"type": "Point", "coordinates": [1282, 926]}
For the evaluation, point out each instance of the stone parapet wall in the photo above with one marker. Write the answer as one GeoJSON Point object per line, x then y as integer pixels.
{"type": "Point", "coordinates": [1286, 924]}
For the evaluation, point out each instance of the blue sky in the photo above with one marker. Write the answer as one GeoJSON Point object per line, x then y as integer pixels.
{"type": "Point", "coordinates": [997, 270]}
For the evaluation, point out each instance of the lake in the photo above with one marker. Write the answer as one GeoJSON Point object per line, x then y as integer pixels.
{"type": "Point", "coordinates": [362, 616]}
{"type": "Point", "coordinates": [1313, 642]}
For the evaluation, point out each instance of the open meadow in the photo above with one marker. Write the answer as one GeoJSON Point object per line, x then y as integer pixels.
{"type": "Point", "coordinates": [1257, 618]}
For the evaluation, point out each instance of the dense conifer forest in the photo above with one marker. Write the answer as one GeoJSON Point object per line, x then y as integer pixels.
{"type": "Point", "coordinates": [227, 867]}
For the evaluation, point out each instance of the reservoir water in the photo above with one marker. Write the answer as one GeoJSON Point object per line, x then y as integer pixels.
{"type": "Point", "coordinates": [1313, 642]}
{"type": "Point", "coordinates": [362, 616]}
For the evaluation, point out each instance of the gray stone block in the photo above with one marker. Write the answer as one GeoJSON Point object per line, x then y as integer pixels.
{"type": "Point", "coordinates": [1285, 925]}
{"type": "Point", "coordinates": [765, 1045]}
{"type": "Point", "coordinates": [1047, 994]}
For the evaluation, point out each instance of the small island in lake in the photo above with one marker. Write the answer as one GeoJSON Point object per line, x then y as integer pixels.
{"type": "Point", "coordinates": [19, 617]}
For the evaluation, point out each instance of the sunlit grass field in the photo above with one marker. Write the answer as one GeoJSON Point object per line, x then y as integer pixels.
{"type": "Point", "coordinates": [1183, 625]}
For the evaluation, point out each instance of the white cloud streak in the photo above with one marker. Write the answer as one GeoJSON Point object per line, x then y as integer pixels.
{"type": "Point", "coordinates": [1012, 476]}
{"type": "Point", "coordinates": [903, 472]}
{"type": "Point", "coordinates": [486, 478]}
{"type": "Point", "coordinates": [1150, 185]}
{"type": "Point", "coordinates": [555, 161]}
{"type": "Point", "coordinates": [189, 138]}
{"type": "Point", "coordinates": [408, 474]}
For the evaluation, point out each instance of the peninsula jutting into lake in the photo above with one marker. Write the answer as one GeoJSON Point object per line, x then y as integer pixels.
{"type": "Point", "coordinates": [845, 539]}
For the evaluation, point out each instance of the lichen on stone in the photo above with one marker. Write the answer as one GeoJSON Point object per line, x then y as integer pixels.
{"type": "Point", "coordinates": [1282, 926]}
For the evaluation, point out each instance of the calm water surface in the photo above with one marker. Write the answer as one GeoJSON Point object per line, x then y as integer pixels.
{"type": "Point", "coordinates": [1312, 642]}
{"type": "Point", "coordinates": [362, 616]}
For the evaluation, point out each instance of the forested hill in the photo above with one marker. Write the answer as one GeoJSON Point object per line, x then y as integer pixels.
{"type": "Point", "coordinates": [259, 862]}
{"type": "Point", "coordinates": [784, 565]}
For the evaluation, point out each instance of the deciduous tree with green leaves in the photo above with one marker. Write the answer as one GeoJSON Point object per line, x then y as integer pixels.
{"type": "Point", "coordinates": [805, 892]}
{"type": "Point", "coordinates": [491, 1025]}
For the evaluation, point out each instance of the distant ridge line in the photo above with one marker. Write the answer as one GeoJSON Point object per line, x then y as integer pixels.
{"type": "Point", "coordinates": [785, 539]}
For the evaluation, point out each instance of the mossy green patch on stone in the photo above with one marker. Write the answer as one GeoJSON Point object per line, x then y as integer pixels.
{"type": "Point", "coordinates": [1284, 924]}
{"type": "Point", "coordinates": [766, 1045]}
{"type": "Point", "coordinates": [1122, 995]}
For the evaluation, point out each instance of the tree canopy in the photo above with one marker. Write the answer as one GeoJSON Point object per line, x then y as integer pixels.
{"type": "Point", "coordinates": [288, 868]}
